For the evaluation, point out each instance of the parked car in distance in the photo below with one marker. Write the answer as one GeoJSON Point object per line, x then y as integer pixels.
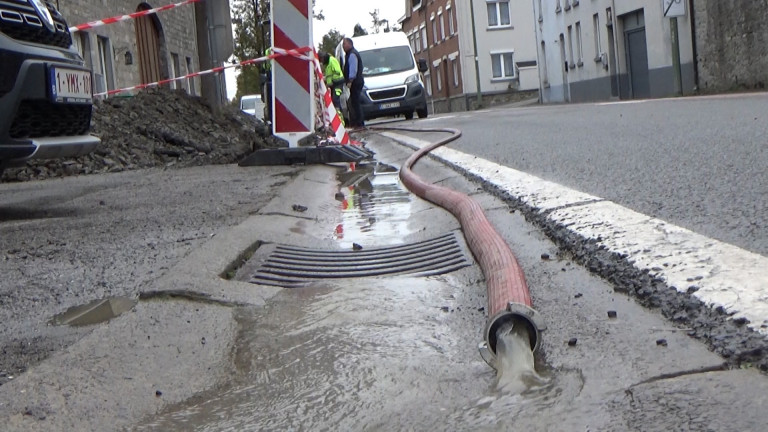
{"type": "Point", "coordinates": [252, 104]}
{"type": "Point", "coordinates": [45, 89]}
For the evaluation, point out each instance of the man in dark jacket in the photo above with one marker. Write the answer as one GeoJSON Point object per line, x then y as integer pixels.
{"type": "Point", "coordinates": [353, 74]}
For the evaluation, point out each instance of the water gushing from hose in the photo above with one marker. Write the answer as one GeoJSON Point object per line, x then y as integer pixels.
{"type": "Point", "coordinates": [515, 366]}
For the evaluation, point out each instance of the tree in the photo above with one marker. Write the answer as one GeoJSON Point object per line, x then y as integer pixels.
{"type": "Point", "coordinates": [252, 37]}
{"type": "Point", "coordinates": [330, 41]}
{"type": "Point", "coordinates": [378, 22]}
{"type": "Point", "coordinates": [359, 31]}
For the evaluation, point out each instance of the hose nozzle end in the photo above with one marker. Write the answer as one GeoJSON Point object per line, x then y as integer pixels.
{"type": "Point", "coordinates": [515, 314]}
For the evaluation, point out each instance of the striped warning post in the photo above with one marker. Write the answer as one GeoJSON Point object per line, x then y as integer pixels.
{"type": "Point", "coordinates": [292, 78]}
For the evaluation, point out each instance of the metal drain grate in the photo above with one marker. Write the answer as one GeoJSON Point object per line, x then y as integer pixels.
{"type": "Point", "coordinates": [291, 267]}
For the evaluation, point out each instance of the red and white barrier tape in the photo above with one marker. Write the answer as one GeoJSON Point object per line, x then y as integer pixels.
{"type": "Point", "coordinates": [296, 52]}
{"type": "Point", "coordinates": [134, 15]}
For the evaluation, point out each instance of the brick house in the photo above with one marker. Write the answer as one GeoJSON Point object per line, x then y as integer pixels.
{"type": "Point", "coordinates": [431, 28]}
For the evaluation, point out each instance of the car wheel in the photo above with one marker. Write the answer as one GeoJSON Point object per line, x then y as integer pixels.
{"type": "Point", "coordinates": [423, 113]}
{"type": "Point", "coordinates": [408, 115]}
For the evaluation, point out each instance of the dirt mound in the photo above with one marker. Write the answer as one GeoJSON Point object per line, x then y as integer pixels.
{"type": "Point", "coordinates": [157, 128]}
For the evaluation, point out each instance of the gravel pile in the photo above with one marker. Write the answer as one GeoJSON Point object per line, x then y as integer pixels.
{"type": "Point", "coordinates": [157, 128]}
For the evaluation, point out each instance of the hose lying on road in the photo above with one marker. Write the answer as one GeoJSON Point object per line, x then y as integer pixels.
{"type": "Point", "coordinates": [509, 301]}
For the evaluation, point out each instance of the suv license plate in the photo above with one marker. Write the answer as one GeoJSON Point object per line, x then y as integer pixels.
{"type": "Point", "coordinates": [389, 105]}
{"type": "Point", "coordinates": [71, 85]}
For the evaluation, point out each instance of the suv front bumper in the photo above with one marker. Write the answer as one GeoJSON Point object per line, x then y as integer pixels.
{"type": "Point", "coordinates": [32, 126]}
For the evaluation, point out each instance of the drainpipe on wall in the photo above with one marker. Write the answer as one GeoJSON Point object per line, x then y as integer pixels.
{"type": "Point", "coordinates": [477, 60]}
{"type": "Point", "coordinates": [693, 47]}
{"type": "Point", "coordinates": [539, 54]}
{"type": "Point", "coordinates": [447, 83]}
{"type": "Point", "coordinates": [614, 27]}
{"type": "Point", "coordinates": [429, 57]}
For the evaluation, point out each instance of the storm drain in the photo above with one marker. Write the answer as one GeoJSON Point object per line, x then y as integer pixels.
{"type": "Point", "coordinates": [292, 267]}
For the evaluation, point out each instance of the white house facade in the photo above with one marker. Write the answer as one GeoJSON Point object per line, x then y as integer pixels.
{"type": "Point", "coordinates": [506, 45]}
{"type": "Point", "coordinates": [592, 50]}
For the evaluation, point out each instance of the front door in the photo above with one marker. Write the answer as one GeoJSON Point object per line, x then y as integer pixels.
{"type": "Point", "coordinates": [637, 55]}
{"type": "Point", "coordinates": [148, 45]}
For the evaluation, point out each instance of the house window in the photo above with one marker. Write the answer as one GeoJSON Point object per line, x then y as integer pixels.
{"type": "Point", "coordinates": [570, 47]}
{"type": "Point", "coordinates": [441, 18]}
{"type": "Point", "coordinates": [424, 35]}
{"type": "Point", "coordinates": [82, 42]}
{"type": "Point", "coordinates": [190, 81]}
{"type": "Point", "coordinates": [451, 28]}
{"type": "Point", "coordinates": [415, 4]}
{"type": "Point", "coordinates": [498, 13]}
{"type": "Point", "coordinates": [579, 48]}
{"type": "Point", "coordinates": [175, 67]}
{"type": "Point", "coordinates": [438, 77]}
{"type": "Point", "coordinates": [104, 77]}
{"type": "Point", "coordinates": [455, 65]}
{"type": "Point", "coordinates": [417, 42]}
{"type": "Point", "coordinates": [434, 30]}
{"type": "Point", "coordinates": [596, 29]}
{"type": "Point", "coordinates": [428, 82]}
{"type": "Point", "coordinates": [503, 65]}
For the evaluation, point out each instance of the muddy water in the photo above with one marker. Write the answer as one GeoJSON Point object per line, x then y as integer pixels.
{"type": "Point", "coordinates": [95, 312]}
{"type": "Point", "coordinates": [516, 369]}
{"type": "Point", "coordinates": [372, 355]}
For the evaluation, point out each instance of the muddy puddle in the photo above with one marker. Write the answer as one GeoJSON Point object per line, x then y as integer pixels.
{"type": "Point", "coordinates": [394, 354]}
{"type": "Point", "coordinates": [95, 312]}
{"type": "Point", "coordinates": [375, 206]}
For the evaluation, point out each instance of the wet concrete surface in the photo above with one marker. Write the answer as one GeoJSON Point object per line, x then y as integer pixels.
{"type": "Point", "coordinates": [202, 353]}
{"type": "Point", "coordinates": [67, 242]}
{"type": "Point", "coordinates": [399, 354]}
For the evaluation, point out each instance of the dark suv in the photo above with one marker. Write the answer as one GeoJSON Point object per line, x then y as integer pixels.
{"type": "Point", "coordinates": [45, 91]}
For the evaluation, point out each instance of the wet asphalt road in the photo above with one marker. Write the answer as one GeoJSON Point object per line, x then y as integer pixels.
{"type": "Point", "coordinates": [698, 163]}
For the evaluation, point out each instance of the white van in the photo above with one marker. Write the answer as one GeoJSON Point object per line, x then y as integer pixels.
{"type": "Point", "coordinates": [393, 83]}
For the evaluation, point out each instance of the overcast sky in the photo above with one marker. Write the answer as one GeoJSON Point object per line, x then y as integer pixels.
{"type": "Point", "coordinates": [344, 14]}
{"type": "Point", "coordinates": [341, 15]}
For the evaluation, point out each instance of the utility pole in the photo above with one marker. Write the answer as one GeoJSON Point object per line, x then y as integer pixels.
{"type": "Point", "coordinates": [208, 83]}
{"type": "Point", "coordinates": [477, 60]}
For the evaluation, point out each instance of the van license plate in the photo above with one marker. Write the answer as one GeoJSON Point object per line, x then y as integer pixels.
{"type": "Point", "coordinates": [389, 105]}
{"type": "Point", "coordinates": [71, 85]}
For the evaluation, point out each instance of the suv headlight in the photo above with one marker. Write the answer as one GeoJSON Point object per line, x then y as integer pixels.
{"type": "Point", "coordinates": [412, 79]}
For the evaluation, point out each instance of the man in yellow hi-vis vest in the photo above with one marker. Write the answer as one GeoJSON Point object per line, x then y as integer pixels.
{"type": "Point", "coordinates": [334, 79]}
